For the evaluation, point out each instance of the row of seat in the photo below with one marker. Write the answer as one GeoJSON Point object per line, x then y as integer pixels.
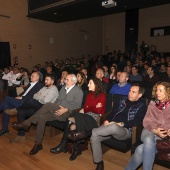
{"type": "Point", "coordinates": [120, 145]}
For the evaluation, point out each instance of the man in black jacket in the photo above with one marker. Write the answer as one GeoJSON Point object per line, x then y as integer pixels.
{"type": "Point", "coordinates": [126, 113]}
{"type": "Point", "coordinates": [10, 102]}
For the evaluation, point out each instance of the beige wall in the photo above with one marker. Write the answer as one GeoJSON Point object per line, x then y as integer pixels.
{"type": "Point", "coordinates": [114, 32]}
{"type": "Point", "coordinates": [73, 39]}
{"type": "Point", "coordinates": [114, 29]}
{"type": "Point", "coordinates": [154, 17]}
{"type": "Point", "coordinates": [70, 40]}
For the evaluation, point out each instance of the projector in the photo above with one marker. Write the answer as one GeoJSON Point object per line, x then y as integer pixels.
{"type": "Point", "coordinates": [109, 3]}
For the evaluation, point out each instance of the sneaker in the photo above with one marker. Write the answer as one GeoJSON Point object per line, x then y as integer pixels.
{"type": "Point", "coordinates": [17, 139]}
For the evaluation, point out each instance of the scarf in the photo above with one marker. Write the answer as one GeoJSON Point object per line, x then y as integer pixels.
{"type": "Point", "coordinates": [162, 105]}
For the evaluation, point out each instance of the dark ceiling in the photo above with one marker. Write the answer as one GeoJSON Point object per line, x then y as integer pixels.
{"type": "Point", "coordinates": [69, 10]}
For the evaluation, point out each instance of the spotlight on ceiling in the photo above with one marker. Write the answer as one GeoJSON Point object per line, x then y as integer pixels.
{"type": "Point", "coordinates": [109, 3]}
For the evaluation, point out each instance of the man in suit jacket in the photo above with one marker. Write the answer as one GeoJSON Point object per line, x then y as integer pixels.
{"type": "Point", "coordinates": [70, 98]}
{"type": "Point", "coordinates": [10, 102]}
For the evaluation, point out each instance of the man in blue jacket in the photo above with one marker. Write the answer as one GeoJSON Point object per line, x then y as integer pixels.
{"type": "Point", "coordinates": [122, 87]}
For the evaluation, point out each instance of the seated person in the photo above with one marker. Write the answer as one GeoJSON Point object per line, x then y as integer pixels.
{"type": "Point", "coordinates": [151, 76]}
{"type": "Point", "coordinates": [166, 77]}
{"type": "Point", "coordinates": [156, 126]}
{"type": "Point", "coordinates": [128, 113]}
{"type": "Point", "coordinates": [10, 102]}
{"type": "Point", "coordinates": [61, 81]}
{"type": "Point", "coordinates": [135, 76]}
{"type": "Point", "coordinates": [81, 81]}
{"type": "Point", "coordinates": [100, 75]}
{"type": "Point", "coordinates": [84, 121]}
{"type": "Point", "coordinates": [123, 86]}
{"type": "Point", "coordinates": [49, 93]}
{"type": "Point", "coordinates": [70, 98]}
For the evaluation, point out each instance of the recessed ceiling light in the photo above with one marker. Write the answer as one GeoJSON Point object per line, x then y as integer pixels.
{"type": "Point", "coordinates": [55, 13]}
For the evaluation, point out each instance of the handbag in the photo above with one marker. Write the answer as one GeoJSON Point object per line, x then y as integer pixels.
{"type": "Point", "coordinates": [163, 147]}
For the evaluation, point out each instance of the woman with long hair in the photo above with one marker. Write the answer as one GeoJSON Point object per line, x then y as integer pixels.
{"type": "Point", "coordinates": [81, 81]}
{"type": "Point", "coordinates": [113, 71]}
{"type": "Point", "coordinates": [80, 124]}
{"type": "Point", "coordinates": [156, 126]}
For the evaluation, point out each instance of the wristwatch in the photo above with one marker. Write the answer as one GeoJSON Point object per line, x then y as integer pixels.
{"type": "Point", "coordinates": [122, 124]}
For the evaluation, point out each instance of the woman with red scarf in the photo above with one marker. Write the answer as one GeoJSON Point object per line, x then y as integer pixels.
{"type": "Point", "coordinates": [156, 126]}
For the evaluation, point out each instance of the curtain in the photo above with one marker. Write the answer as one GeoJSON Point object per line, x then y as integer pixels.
{"type": "Point", "coordinates": [5, 56]}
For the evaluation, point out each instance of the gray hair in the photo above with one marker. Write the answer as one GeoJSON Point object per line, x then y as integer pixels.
{"type": "Point", "coordinates": [74, 78]}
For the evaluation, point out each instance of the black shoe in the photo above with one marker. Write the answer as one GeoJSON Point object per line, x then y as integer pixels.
{"type": "Point", "coordinates": [21, 125]}
{"type": "Point", "coordinates": [58, 149]}
{"type": "Point", "coordinates": [36, 148]}
{"type": "Point", "coordinates": [4, 132]}
{"type": "Point", "coordinates": [100, 166]}
{"type": "Point", "coordinates": [75, 154]}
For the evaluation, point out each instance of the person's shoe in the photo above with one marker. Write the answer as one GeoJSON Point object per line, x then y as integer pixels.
{"type": "Point", "coordinates": [17, 139]}
{"type": "Point", "coordinates": [58, 149]}
{"type": "Point", "coordinates": [76, 135]}
{"type": "Point", "coordinates": [75, 154]}
{"type": "Point", "coordinates": [11, 111]}
{"type": "Point", "coordinates": [100, 166]}
{"type": "Point", "coordinates": [36, 148]}
{"type": "Point", "coordinates": [21, 125]}
{"type": "Point", "coordinates": [4, 132]}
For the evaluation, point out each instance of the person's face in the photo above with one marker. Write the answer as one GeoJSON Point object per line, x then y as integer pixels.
{"type": "Point", "coordinates": [134, 71]}
{"type": "Point", "coordinates": [128, 63]}
{"type": "Point", "coordinates": [162, 60]}
{"type": "Point", "coordinates": [48, 82]}
{"type": "Point", "coordinates": [34, 77]}
{"type": "Point", "coordinates": [84, 71]}
{"type": "Point", "coordinates": [113, 70]}
{"type": "Point", "coordinates": [146, 66]}
{"type": "Point", "coordinates": [140, 63]}
{"type": "Point", "coordinates": [6, 71]}
{"type": "Point", "coordinates": [149, 70]}
{"type": "Point", "coordinates": [79, 78]}
{"type": "Point", "coordinates": [128, 69]}
{"type": "Point", "coordinates": [162, 67]}
{"type": "Point", "coordinates": [99, 74]}
{"type": "Point", "coordinates": [105, 68]}
{"type": "Point", "coordinates": [25, 73]}
{"type": "Point", "coordinates": [64, 74]}
{"type": "Point", "coordinates": [118, 76]}
{"type": "Point", "coordinates": [49, 70]}
{"type": "Point", "coordinates": [15, 70]}
{"type": "Point", "coordinates": [123, 78]}
{"type": "Point", "coordinates": [91, 85]}
{"type": "Point", "coordinates": [161, 93]}
{"type": "Point", "coordinates": [69, 81]}
{"type": "Point", "coordinates": [134, 94]}
{"type": "Point", "coordinates": [153, 62]}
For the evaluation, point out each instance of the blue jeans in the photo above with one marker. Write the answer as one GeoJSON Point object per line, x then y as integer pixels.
{"type": "Point", "coordinates": [144, 153]}
{"type": "Point", "coordinates": [8, 103]}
